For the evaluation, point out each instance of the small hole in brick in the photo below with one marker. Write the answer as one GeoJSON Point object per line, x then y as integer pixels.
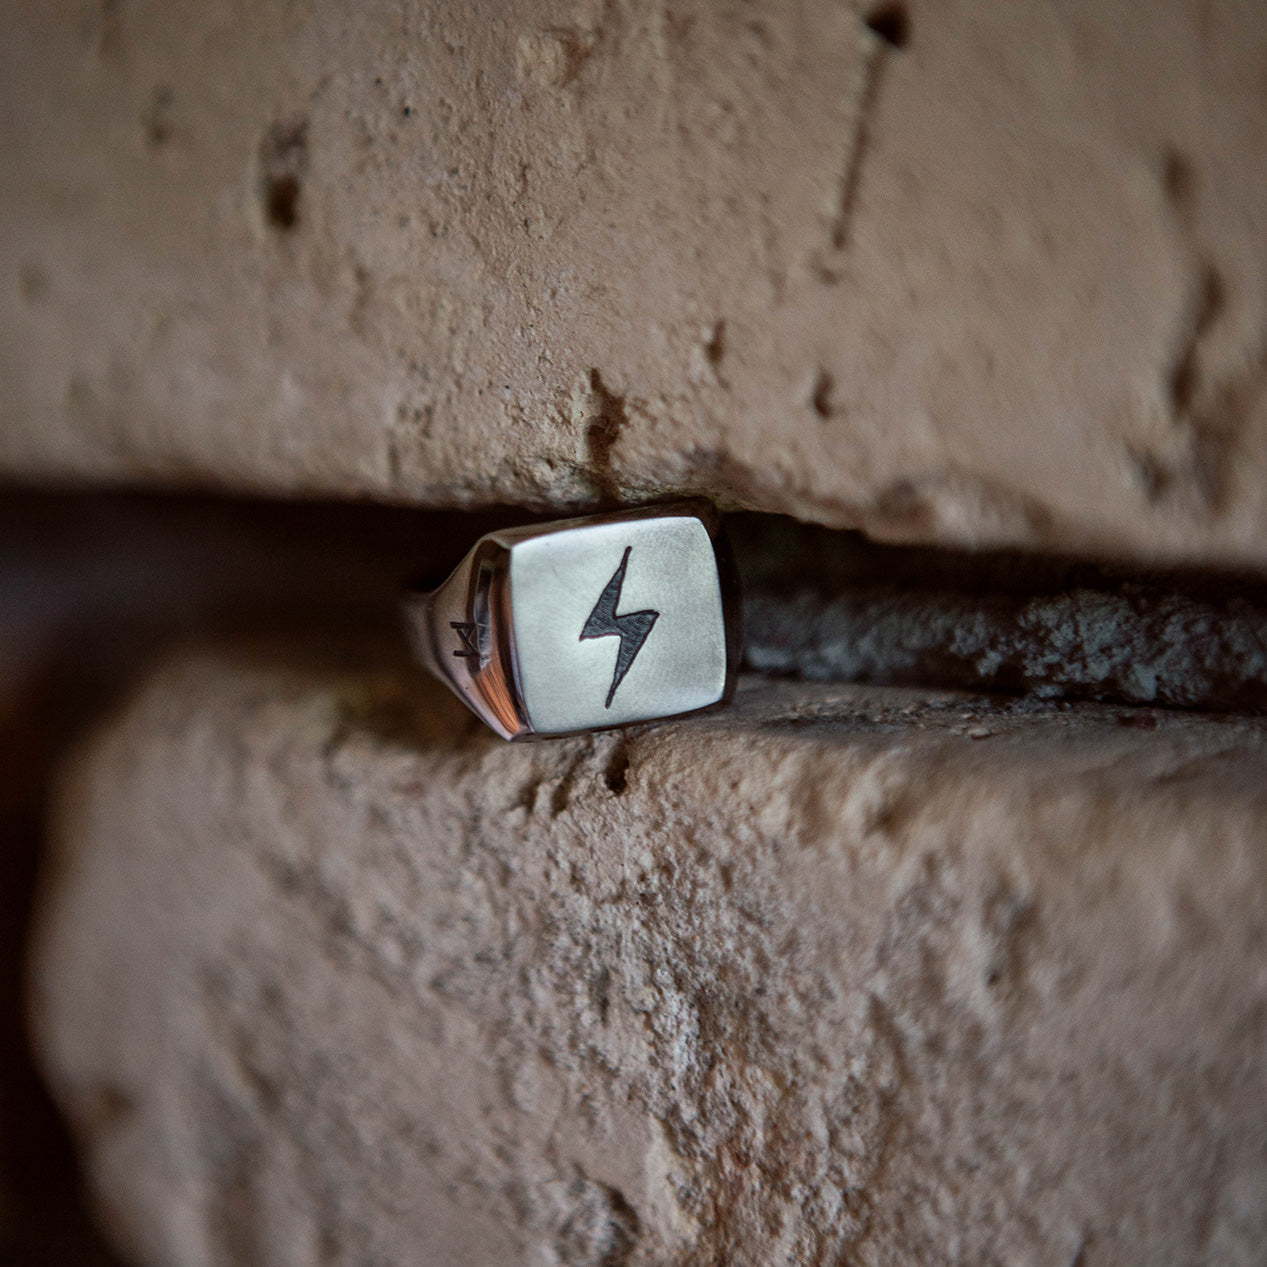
{"type": "Point", "coordinates": [821, 396]}
{"type": "Point", "coordinates": [617, 772]}
{"type": "Point", "coordinates": [891, 23]}
{"type": "Point", "coordinates": [1177, 177]}
{"type": "Point", "coordinates": [715, 348]}
{"type": "Point", "coordinates": [281, 202]}
{"type": "Point", "coordinates": [283, 162]}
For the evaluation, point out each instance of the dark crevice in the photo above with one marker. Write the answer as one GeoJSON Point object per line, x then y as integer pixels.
{"type": "Point", "coordinates": [600, 993]}
{"type": "Point", "coordinates": [616, 774]}
{"type": "Point", "coordinates": [283, 162]}
{"type": "Point", "coordinates": [833, 606]}
{"type": "Point", "coordinates": [607, 420]}
{"type": "Point", "coordinates": [281, 201]}
{"type": "Point", "coordinates": [1178, 180]}
{"type": "Point", "coordinates": [124, 574]}
{"type": "Point", "coordinates": [821, 396]}
{"type": "Point", "coordinates": [1209, 411]}
{"type": "Point", "coordinates": [715, 348]}
{"type": "Point", "coordinates": [892, 23]}
{"type": "Point", "coordinates": [560, 796]}
{"type": "Point", "coordinates": [1209, 305]}
{"type": "Point", "coordinates": [50, 694]}
{"type": "Point", "coordinates": [715, 351]}
{"type": "Point", "coordinates": [892, 27]}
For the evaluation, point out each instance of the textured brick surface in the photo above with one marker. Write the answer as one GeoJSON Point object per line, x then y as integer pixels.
{"type": "Point", "coordinates": [1004, 283]}
{"type": "Point", "coordinates": [326, 973]}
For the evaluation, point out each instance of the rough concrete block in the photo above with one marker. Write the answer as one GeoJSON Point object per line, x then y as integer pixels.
{"type": "Point", "coordinates": [964, 273]}
{"type": "Point", "coordinates": [326, 973]}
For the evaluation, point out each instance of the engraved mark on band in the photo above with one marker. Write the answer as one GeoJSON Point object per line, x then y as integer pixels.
{"type": "Point", "coordinates": [632, 628]}
{"type": "Point", "coordinates": [468, 631]}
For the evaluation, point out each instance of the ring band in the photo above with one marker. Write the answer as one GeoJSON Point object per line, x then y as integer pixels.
{"type": "Point", "coordinates": [586, 623]}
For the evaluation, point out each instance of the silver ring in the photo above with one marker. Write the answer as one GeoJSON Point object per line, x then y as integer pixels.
{"type": "Point", "coordinates": [587, 623]}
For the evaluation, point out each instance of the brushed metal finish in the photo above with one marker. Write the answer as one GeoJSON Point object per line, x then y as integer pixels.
{"type": "Point", "coordinates": [585, 624]}
{"type": "Point", "coordinates": [555, 581]}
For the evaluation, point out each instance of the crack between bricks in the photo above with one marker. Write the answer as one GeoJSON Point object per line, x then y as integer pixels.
{"type": "Point", "coordinates": [873, 76]}
{"type": "Point", "coordinates": [820, 605]}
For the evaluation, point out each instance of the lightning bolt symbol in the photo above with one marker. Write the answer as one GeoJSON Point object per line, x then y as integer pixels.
{"type": "Point", "coordinates": [632, 628]}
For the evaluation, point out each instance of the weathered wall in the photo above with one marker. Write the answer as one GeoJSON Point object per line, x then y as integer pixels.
{"type": "Point", "coordinates": [329, 974]}
{"type": "Point", "coordinates": [999, 276]}
{"type": "Point", "coordinates": [326, 974]}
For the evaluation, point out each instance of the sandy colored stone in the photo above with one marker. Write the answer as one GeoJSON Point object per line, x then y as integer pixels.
{"type": "Point", "coordinates": [326, 973]}
{"type": "Point", "coordinates": [1005, 283]}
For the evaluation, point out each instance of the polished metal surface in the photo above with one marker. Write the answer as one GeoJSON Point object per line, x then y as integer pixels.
{"type": "Point", "coordinates": [588, 623]}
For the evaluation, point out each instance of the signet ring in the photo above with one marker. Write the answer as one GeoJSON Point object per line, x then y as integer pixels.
{"type": "Point", "coordinates": [587, 623]}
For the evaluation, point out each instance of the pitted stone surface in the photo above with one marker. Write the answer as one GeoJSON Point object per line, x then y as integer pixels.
{"type": "Point", "coordinates": [956, 273]}
{"type": "Point", "coordinates": [326, 973]}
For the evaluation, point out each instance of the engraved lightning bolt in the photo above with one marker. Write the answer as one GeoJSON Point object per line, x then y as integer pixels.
{"type": "Point", "coordinates": [632, 628]}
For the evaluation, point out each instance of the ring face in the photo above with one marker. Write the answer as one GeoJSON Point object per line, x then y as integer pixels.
{"type": "Point", "coordinates": [586, 623]}
{"type": "Point", "coordinates": [617, 622]}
